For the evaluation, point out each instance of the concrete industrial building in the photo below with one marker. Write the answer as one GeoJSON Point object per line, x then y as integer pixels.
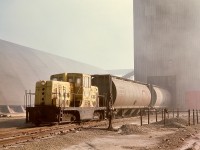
{"type": "Point", "coordinates": [166, 47]}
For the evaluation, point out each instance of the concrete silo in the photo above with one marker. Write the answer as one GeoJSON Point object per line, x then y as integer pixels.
{"type": "Point", "coordinates": [167, 47]}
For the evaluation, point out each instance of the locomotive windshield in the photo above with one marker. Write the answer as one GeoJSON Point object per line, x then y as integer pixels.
{"type": "Point", "coordinates": [54, 79]}
{"type": "Point", "coordinates": [58, 77]}
{"type": "Point", "coordinates": [70, 79]}
{"type": "Point", "coordinates": [75, 79]}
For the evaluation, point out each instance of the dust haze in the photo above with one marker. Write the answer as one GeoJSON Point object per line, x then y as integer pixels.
{"type": "Point", "coordinates": [167, 41]}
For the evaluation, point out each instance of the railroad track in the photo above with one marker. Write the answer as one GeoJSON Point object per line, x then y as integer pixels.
{"type": "Point", "coordinates": [8, 139]}
{"type": "Point", "coordinates": [25, 135]}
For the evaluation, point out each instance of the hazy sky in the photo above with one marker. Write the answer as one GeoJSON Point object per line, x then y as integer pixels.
{"type": "Point", "coordinates": [96, 32]}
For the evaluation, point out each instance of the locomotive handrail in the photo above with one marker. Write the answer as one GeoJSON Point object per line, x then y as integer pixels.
{"type": "Point", "coordinates": [27, 99]}
{"type": "Point", "coordinates": [79, 89]}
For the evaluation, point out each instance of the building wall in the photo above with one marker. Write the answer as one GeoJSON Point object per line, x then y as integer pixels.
{"type": "Point", "coordinates": [166, 43]}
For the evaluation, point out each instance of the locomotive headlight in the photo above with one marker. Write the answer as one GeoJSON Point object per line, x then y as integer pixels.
{"type": "Point", "coordinates": [43, 82]}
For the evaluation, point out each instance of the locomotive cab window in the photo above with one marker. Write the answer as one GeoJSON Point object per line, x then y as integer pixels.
{"type": "Point", "coordinates": [78, 81]}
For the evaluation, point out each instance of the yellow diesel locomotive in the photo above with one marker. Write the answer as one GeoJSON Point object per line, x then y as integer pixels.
{"type": "Point", "coordinates": [66, 97]}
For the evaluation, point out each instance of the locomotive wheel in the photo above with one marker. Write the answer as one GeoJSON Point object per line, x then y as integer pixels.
{"type": "Point", "coordinates": [37, 121]}
{"type": "Point", "coordinates": [98, 116]}
{"type": "Point", "coordinates": [69, 117]}
{"type": "Point", "coordinates": [73, 118]}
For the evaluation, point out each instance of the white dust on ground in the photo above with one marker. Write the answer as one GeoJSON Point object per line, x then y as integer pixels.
{"type": "Point", "coordinates": [129, 137]}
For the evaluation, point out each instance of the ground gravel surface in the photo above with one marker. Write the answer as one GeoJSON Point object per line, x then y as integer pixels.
{"type": "Point", "coordinates": [128, 134]}
{"type": "Point", "coordinates": [128, 129]}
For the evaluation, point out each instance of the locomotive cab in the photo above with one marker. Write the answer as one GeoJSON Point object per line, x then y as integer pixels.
{"type": "Point", "coordinates": [59, 77]}
{"type": "Point", "coordinates": [83, 94]}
